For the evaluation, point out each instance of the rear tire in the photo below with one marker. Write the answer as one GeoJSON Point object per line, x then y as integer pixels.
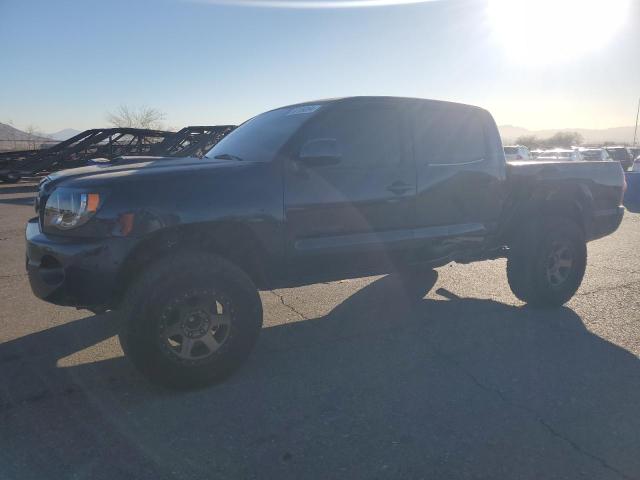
{"type": "Point", "coordinates": [547, 261]}
{"type": "Point", "coordinates": [515, 273]}
{"type": "Point", "coordinates": [190, 320]}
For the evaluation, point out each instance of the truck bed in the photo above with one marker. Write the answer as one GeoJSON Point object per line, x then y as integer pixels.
{"type": "Point", "coordinates": [599, 185]}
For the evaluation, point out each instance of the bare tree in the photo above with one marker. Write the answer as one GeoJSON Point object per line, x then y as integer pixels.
{"type": "Point", "coordinates": [565, 139]}
{"type": "Point", "coordinates": [33, 136]}
{"type": "Point", "coordinates": [530, 141]}
{"type": "Point", "coordinates": [560, 139]}
{"type": "Point", "coordinates": [140, 117]}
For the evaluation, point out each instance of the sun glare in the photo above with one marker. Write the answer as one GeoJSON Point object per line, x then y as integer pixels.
{"type": "Point", "coordinates": [548, 31]}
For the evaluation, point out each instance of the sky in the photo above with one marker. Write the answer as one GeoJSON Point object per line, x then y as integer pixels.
{"type": "Point", "coordinates": [532, 63]}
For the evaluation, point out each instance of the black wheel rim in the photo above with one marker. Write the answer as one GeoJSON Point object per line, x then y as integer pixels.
{"type": "Point", "coordinates": [195, 325]}
{"type": "Point", "coordinates": [560, 262]}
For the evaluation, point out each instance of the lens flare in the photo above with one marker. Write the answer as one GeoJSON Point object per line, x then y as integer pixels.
{"type": "Point", "coordinates": [313, 4]}
{"type": "Point", "coordinates": [537, 32]}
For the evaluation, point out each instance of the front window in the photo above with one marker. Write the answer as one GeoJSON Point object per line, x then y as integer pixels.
{"type": "Point", "coordinates": [367, 136]}
{"type": "Point", "coordinates": [260, 138]}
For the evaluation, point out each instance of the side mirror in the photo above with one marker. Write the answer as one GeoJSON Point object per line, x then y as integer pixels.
{"type": "Point", "coordinates": [320, 151]}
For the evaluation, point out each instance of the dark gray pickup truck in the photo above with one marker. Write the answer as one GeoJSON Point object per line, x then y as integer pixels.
{"type": "Point", "coordinates": [317, 191]}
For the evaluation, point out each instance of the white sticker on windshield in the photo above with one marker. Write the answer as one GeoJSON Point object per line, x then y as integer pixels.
{"type": "Point", "coordinates": [303, 109]}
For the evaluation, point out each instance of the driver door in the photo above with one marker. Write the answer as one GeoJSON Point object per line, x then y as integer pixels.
{"type": "Point", "coordinates": [354, 212]}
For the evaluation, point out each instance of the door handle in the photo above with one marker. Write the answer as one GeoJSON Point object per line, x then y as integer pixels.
{"type": "Point", "coordinates": [399, 187]}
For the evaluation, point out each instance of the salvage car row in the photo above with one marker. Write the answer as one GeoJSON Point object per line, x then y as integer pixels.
{"type": "Point", "coordinates": [624, 155]}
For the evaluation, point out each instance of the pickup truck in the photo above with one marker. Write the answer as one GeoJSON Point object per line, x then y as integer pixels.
{"type": "Point", "coordinates": [311, 192]}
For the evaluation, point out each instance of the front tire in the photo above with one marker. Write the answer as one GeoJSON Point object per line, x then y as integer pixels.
{"type": "Point", "coordinates": [547, 261]}
{"type": "Point", "coordinates": [190, 320]}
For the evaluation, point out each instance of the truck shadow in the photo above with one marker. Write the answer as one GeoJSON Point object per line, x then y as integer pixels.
{"type": "Point", "coordinates": [386, 380]}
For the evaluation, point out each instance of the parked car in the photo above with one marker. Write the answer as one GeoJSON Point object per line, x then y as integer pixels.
{"type": "Point", "coordinates": [595, 154]}
{"type": "Point", "coordinates": [622, 155]}
{"type": "Point", "coordinates": [312, 192]}
{"type": "Point", "coordinates": [516, 152]}
{"type": "Point", "coordinates": [536, 153]}
{"type": "Point", "coordinates": [632, 194]}
{"type": "Point", "coordinates": [560, 154]}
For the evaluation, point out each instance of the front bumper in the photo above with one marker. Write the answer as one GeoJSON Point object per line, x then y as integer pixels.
{"type": "Point", "coordinates": [76, 272]}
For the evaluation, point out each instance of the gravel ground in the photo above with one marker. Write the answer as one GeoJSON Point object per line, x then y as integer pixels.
{"type": "Point", "coordinates": [350, 379]}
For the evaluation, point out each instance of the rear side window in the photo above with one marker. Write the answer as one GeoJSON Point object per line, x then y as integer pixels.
{"type": "Point", "coordinates": [368, 136]}
{"type": "Point", "coordinates": [448, 136]}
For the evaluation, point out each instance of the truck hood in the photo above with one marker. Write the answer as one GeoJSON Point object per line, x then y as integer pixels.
{"type": "Point", "coordinates": [122, 165]}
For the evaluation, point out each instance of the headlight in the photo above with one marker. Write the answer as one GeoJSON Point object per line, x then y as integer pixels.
{"type": "Point", "coordinates": [67, 208]}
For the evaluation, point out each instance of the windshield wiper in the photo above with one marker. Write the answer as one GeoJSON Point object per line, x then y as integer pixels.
{"type": "Point", "coordinates": [228, 156]}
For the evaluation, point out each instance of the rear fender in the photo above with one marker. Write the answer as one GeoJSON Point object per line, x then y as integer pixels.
{"type": "Point", "coordinates": [573, 201]}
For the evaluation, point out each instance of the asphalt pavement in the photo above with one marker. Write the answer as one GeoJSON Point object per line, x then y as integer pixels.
{"type": "Point", "coordinates": [362, 378]}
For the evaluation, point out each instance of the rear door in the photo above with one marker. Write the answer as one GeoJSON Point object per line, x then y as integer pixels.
{"type": "Point", "coordinates": [353, 214]}
{"type": "Point", "coordinates": [461, 172]}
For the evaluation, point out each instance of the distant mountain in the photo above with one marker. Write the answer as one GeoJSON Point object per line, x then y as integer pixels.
{"type": "Point", "coordinates": [63, 134]}
{"type": "Point", "coordinates": [13, 139]}
{"type": "Point", "coordinates": [510, 133]}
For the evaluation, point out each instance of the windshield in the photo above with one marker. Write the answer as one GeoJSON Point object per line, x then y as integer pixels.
{"type": "Point", "coordinates": [591, 154]}
{"type": "Point", "coordinates": [260, 138]}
